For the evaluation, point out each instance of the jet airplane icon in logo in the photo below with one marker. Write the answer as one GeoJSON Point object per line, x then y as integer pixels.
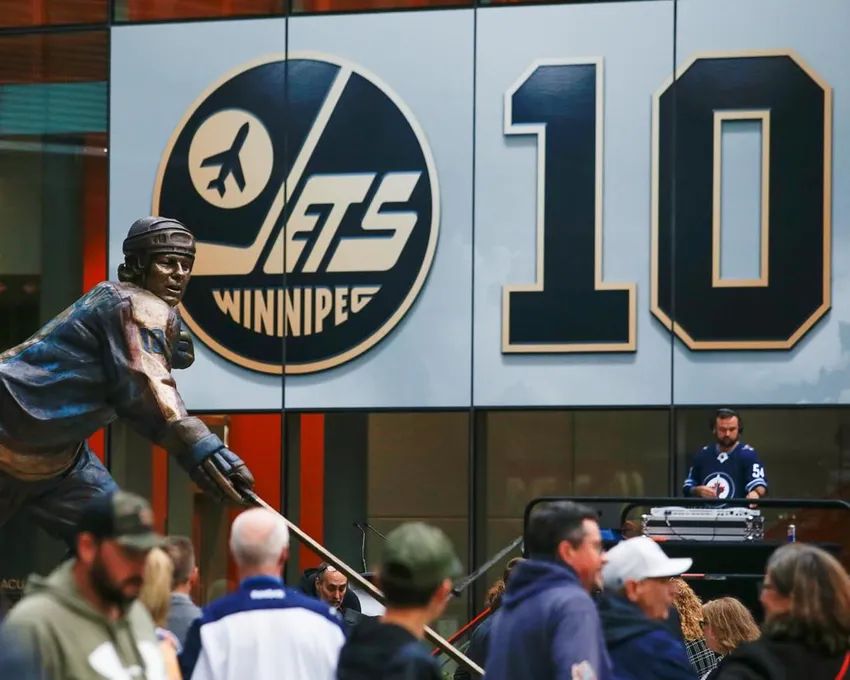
{"type": "Point", "coordinates": [317, 225]}
{"type": "Point", "coordinates": [229, 163]}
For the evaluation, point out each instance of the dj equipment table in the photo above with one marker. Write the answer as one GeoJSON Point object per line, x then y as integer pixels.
{"type": "Point", "coordinates": [721, 567]}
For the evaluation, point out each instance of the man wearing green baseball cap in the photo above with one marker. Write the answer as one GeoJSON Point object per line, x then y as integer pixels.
{"type": "Point", "coordinates": [83, 620]}
{"type": "Point", "coordinates": [415, 574]}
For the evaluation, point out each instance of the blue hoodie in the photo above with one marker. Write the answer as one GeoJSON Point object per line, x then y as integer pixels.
{"type": "Point", "coordinates": [641, 649]}
{"type": "Point", "coordinates": [547, 628]}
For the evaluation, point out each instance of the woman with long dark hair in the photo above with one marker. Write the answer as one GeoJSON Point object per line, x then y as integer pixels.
{"type": "Point", "coordinates": [806, 631]}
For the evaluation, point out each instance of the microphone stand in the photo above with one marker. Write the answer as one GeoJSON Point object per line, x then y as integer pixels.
{"type": "Point", "coordinates": [362, 546]}
{"type": "Point", "coordinates": [363, 526]}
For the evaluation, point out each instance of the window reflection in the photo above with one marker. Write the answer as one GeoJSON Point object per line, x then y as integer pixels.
{"type": "Point", "coordinates": [147, 10]}
{"type": "Point", "coordinates": [317, 6]}
{"type": "Point", "coordinates": [53, 184]}
{"type": "Point", "coordinates": [554, 453]}
{"type": "Point", "coordinates": [22, 13]}
{"type": "Point", "coordinates": [418, 471]}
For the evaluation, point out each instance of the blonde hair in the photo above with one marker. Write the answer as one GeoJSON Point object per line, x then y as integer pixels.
{"type": "Point", "coordinates": [156, 589]}
{"type": "Point", "coordinates": [689, 606]}
{"type": "Point", "coordinates": [731, 623]}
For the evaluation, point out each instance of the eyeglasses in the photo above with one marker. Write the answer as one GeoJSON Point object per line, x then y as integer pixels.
{"type": "Point", "coordinates": [764, 585]}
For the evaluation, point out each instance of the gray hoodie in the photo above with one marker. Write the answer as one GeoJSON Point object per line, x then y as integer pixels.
{"type": "Point", "coordinates": [64, 636]}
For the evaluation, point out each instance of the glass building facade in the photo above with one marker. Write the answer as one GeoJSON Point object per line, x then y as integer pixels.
{"type": "Point", "coordinates": [470, 471]}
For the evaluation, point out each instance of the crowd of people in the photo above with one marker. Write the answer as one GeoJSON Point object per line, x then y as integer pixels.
{"type": "Point", "coordinates": [121, 608]}
{"type": "Point", "coordinates": [572, 611]}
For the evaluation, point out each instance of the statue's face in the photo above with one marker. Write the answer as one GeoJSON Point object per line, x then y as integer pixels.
{"type": "Point", "coordinates": [168, 275]}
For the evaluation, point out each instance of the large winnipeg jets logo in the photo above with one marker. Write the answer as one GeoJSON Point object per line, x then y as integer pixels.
{"type": "Point", "coordinates": [313, 195]}
{"type": "Point", "coordinates": [722, 484]}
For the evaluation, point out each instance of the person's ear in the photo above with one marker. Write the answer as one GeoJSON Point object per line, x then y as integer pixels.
{"type": "Point", "coordinates": [631, 590]}
{"type": "Point", "coordinates": [565, 551]}
{"type": "Point", "coordinates": [86, 548]}
{"type": "Point", "coordinates": [440, 599]}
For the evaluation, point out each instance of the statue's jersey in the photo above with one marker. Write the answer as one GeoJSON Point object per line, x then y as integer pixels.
{"type": "Point", "coordinates": [106, 356]}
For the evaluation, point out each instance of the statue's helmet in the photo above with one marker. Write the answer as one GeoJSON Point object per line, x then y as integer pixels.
{"type": "Point", "coordinates": [152, 235]}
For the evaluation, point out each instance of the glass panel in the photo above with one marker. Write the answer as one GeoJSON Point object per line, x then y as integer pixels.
{"type": "Point", "coordinates": [19, 13]}
{"type": "Point", "coordinates": [540, 453]}
{"type": "Point", "coordinates": [418, 471]}
{"type": "Point", "coordinates": [621, 453]}
{"type": "Point", "coordinates": [151, 10]}
{"type": "Point", "coordinates": [54, 58]}
{"type": "Point", "coordinates": [802, 450]}
{"type": "Point", "coordinates": [53, 212]}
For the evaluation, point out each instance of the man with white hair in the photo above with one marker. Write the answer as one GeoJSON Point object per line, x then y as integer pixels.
{"type": "Point", "coordinates": [638, 592]}
{"type": "Point", "coordinates": [264, 630]}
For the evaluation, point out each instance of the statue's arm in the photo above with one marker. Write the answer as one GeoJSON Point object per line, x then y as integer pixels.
{"type": "Point", "coordinates": [138, 354]}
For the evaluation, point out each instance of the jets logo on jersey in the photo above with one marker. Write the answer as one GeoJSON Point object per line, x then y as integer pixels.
{"type": "Point", "coordinates": [722, 484]}
{"type": "Point", "coordinates": [313, 195]}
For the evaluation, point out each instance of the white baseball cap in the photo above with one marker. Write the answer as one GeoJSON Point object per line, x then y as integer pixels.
{"type": "Point", "coordinates": [639, 558]}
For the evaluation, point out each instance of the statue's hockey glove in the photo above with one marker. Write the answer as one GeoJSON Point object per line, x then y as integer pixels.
{"type": "Point", "coordinates": [218, 471]}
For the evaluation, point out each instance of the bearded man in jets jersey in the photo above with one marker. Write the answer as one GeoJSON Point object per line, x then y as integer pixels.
{"type": "Point", "coordinates": [729, 468]}
{"type": "Point", "coordinates": [109, 355]}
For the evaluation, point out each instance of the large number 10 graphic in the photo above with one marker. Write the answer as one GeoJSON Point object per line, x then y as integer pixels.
{"type": "Point", "coordinates": [571, 309]}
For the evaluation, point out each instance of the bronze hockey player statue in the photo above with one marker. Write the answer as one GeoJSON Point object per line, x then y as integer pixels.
{"type": "Point", "coordinates": [109, 355]}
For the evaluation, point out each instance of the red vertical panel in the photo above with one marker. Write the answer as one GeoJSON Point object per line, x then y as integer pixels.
{"type": "Point", "coordinates": [94, 237]}
{"type": "Point", "coordinates": [312, 487]}
{"type": "Point", "coordinates": [94, 215]}
{"type": "Point", "coordinates": [256, 439]}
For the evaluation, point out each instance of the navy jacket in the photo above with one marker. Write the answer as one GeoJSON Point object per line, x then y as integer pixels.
{"type": "Point", "coordinates": [479, 643]}
{"type": "Point", "coordinates": [547, 628]}
{"type": "Point", "coordinates": [641, 649]}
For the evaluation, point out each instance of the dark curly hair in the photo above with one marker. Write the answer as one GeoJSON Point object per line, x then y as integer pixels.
{"type": "Point", "coordinates": [497, 590]}
{"type": "Point", "coordinates": [133, 269]}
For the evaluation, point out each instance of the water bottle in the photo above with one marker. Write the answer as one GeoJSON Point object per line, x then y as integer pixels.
{"type": "Point", "coordinates": [792, 534]}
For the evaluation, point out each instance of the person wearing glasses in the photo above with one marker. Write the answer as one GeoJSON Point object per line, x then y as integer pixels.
{"type": "Point", "coordinates": [806, 630]}
{"type": "Point", "coordinates": [633, 608]}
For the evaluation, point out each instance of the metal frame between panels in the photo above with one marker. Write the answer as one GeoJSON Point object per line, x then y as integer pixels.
{"type": "Point", "coordinates": [476, 468]}
{"type": "Point", "coordinates": [286, 11]}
